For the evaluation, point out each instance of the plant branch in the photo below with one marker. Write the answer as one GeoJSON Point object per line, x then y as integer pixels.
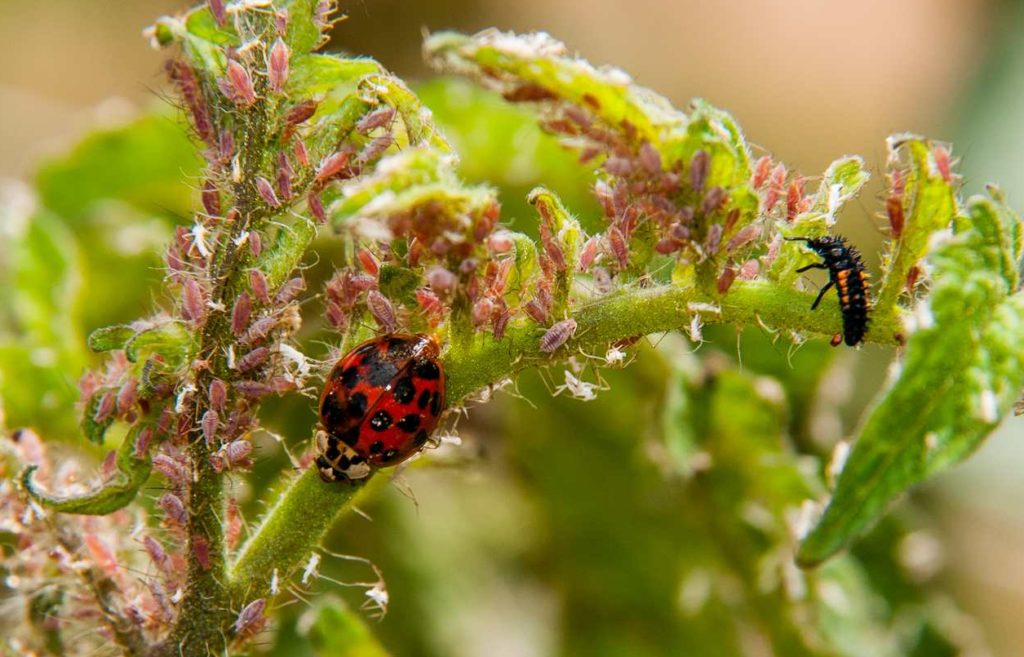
{"type": "Point", "coordinates": [294, 527]}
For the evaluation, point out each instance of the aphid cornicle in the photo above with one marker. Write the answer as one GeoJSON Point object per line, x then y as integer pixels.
{"type": "Point", "coordinates": [846, 273]}
{"type": "Point", "coordinates": [380, 404]}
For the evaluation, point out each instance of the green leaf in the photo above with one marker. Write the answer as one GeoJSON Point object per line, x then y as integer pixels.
{"type": "Point", "coordinates": [399, 283]}
{"type": "Point", "coordinates": [111, 337]}
{"type": "Point", "coordinates": [141, 163]}
{"type": "Point", "coordinates": [96, 430]}
{"type": "Point", "coordinates": [171, 339]}
{"type": "Point", "coordinates": [929, 206]}
{"type": "Point", "coordinates": [315, 74]}
{"type": "Point", "coordinates": [40, 334]}
{"type": "Point", "coordinates": [538, 60]}
{"type": "Point", "coordinates": [303, 33]}
{"type": "Point", "coordinates": [115, 494]}
{"type": "Point", "coordinates": [340, 632]}
{"type": "Point", "coordinates": [278, 261]}
{"type": "Point", "coordinates": [963, 370]}
{"type": "Point", "coordinates": [200, 37]}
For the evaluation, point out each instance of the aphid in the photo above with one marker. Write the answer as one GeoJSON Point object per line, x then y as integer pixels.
{"type": "Point", "coordinates": [557, 335]}
{"type": "Point", "coordinates": [277, 67]}
{"type": "Point", "coordinates": [240, 313]}
{"type": "Point", "coordinates": [240, 88]}
{"type": "Point", "coordinates": [379, 406]}
{"type": "Point", "coordinates": [266, 191]}
{"type": "Point", "coordinates": [846, 273]}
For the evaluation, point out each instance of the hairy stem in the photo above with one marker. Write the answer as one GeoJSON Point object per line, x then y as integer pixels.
{"type": "Point", "coordinates": [294, 527]}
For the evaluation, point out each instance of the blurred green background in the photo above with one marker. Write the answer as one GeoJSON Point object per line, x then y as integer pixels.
{"type": "Point", "coordinates": [554, 528]}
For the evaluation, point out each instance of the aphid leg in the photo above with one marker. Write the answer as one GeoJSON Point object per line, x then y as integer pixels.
{"type": "Point", "coordinates": [821, 293]}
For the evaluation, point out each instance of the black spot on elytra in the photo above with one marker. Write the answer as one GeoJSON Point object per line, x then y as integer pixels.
{"type": "Point", "coordinates": [420, 439]}
{"type": "Point", "coordinates": [350, 377]}
{"type": "Point", "coordinates": [356, 460]}
{"type": "Point", "coordinates": [381, 373]}
{"type": "Point", "coordinates": [380, 421]}
{"type": "Point", "coordinates": [404, 391]}
{"type": "Point", "coordinates": [377, 447]}
{"type": "Point", "coordinates": [435, 403]}
{"type": "Point", "coordinates": [427, 370]}
{"type": "Point", "coordinates": [423, 400]}
{"type": "Point", "coordinates": [409, 423]}
{"type": "Point", "coordinates": [332, 452]}
{"type": "Point", "coordinates": [350, 436]}
{"type": "Point", "coordinates": [357, 405]}
{"type": "Point", "coordinates": [332, 414]}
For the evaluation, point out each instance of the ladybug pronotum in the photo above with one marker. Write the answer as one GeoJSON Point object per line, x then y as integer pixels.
{"type": "Point", "coordinates": [380, 404]}
{"type": "Point", "coordinates": [846, 273]}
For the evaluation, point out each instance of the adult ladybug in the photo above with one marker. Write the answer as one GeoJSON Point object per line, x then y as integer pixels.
{"type": "Point", "coordinates": [379, 406]}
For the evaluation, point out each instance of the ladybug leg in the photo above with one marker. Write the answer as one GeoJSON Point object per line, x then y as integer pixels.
{"type": "Point", "coordinates": [821, 293]}
{"type": "Point", "coordinates": [817, 265]}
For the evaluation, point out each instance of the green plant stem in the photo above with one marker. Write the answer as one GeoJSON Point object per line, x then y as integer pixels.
{"type": "Point", "coordinates": [289, 533]}
{"type": "Point", "coordinates": [293, 528]}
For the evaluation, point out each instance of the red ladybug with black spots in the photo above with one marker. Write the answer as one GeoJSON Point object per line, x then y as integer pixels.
{"type": "Point", "coordinates": [379, 406]}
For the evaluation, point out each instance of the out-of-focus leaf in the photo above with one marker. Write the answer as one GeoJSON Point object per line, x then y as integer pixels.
{"type": "Point", "coordinates": [963, 370]}
{"type": "Point", "coordinates": [501, 144]}
{"type": "Point", "coordinates": [143, 163]}
{"type": "Point", "coordinates": [40, 340]}
{"type": "Point", "coordinates": [111, 337]}
{"type": "Point", "coordinates": [340, 632]}
{"type": "Point", "coordinates": [199, 35]}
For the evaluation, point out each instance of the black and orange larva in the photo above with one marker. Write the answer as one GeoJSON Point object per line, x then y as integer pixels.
{"type": "Point", "coordinates": [846, 273]}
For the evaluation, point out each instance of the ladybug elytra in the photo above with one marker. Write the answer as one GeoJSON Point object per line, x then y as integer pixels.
{"type": "Point", "coordinates": [379, 406]}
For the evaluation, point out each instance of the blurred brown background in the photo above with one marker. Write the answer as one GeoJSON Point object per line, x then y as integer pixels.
{"type": "Point", "coordinates": [808, 79]}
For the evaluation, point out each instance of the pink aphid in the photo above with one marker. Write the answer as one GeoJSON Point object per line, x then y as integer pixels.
{"type": "Point", "coordinates": [290, 289]}
{"type": "Point", "coordinates": [211, 198]}
{"type": "Point", "coordinates": [240, 84]}
{"type": "Point", "coordinates": [775, 186]}
{"type": "Point", "coordinates": [251, 619]}
{"type": "Point", "coordinates": [750, 269]}
{"type": "Point", "coordinates": [258, 285]}
{"type": "Point", "coordinates": [589, 253]}
{"type": "Point", "coordinates": [441, 281]}
{"type": "Point", "coordinates": [745, 236]}
{"type": "Point", "coordinates": [267, 193]}
{"type": "Point", "coordinates": [284, 175]}
{"type": "Point", "coordinates": [158, 555]}
{"type": "Point", "coordinates": [482, 310]}
{"type": "Point", "coordinates": [699, 170]}
{"type": "Point", "coordinates": [201, 551]}
{"type": "Point", "coordinates": [218, 11]}
{"type": "Point", "coordinates": [210, 423]}
{"type": "Point", "coordinates": [557, 335]}
{"type": "Point", "coordinates": [316, 207]}
{"type": "Point", "coordinates": [382, 310]}
{"type": "Point", "coordinates": [101, 554]}
{"type": "Point", "coordinates": [193, 301]}
{"type": "Point", "coordinates": [174, 508]}
{"type": "Point", "coordinates": [762, 168]}
{"type": "Point", "coordinates": [378, 118]}
{"type": "Point", "coordinates": [253, 359]}
{"type": "Point", "coordinates": [277, 66]}
{"type": "Point", "coordinates": [536, 311]}
{"type": "Point", "coordinates": [500, 242]}
{"type": "Point", "coordinates": [726, 279]}
{"type": "Point", "coordinates": [259, 329]}
{"type": "Point", "coordinates": [105, 408]}
{"type": "Point", "coordinates": [233, 531]}
{"type": "Point", "coordinates": [650, 158]}
{"type": "Point", "coordinates": [218, 393]}
{"type": "Point", "coordinates": [127, 395]}
{"type": "Point", "coordinates": [618, 246]}
{"type": "Point", "coordinates": [332, 165]}
{"type": "Point", "coordinates": [368, 261]}
{"type": "Point", "coordinates": [142, 442]}
{"type": "Point", "coordinates": [240, 313]}
{"type": "Point", "coordinates": [943, 163]}
{"type": "Point", "coordinates": [171, 468]}
{"type": "Point", "coordinates": [428, 301]}
{"type": "Point", "coordinates": [300, 114]}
